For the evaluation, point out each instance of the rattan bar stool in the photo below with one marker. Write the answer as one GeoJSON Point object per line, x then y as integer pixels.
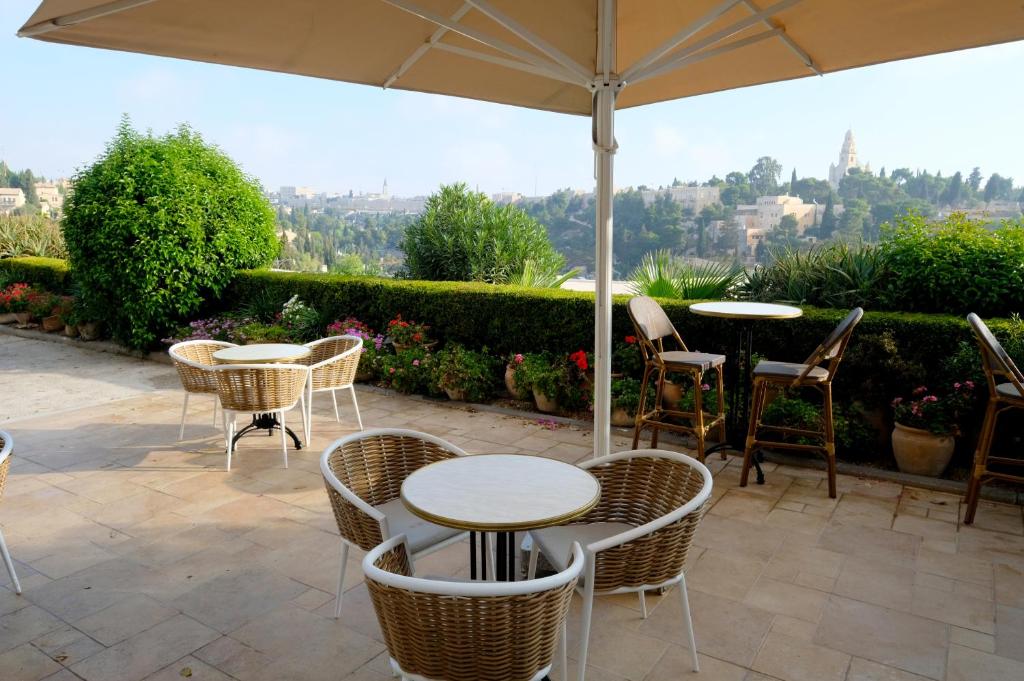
{"type": "Point", "coordinates": [194, 362]}
{"type": "Point", "coordinates": [652, 327]}
{"type": "Point", "coordinates": [637, 537]}
{"type": "Point", "coordinates": [363, 473]}
{"type": "Point", "coordinates": [1002, 396]}
{"type": "Point", "coordinates": [6, 447]}
{"type": "Point", "coordinates": [468, 631]}
{"type": "Point", "coordinates": [260, 389]}
{"type": "Point", "coordinates": [769, 375]}
{"type": "Point", "coordinates": [332, 364]}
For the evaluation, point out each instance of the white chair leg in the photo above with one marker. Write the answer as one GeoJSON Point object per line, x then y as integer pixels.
{"type": "Point", "coordinates": [531, 568]}
{"type": "Point", "coordinates": [688, 622]}
{"type": "Point", "coordinates": [492, 558]}
{"type": "Point", "coordinates": [563, 661]}
{"type": "Point", "coordinates": [9, 564]}
{"type": "Point", "coordinates": [588, 610]}
{"type": "Point", "coordinates": [184, 409]}
{"type": "Point", "coordinates": [643, 603]}
{"type": "Point", "coordinates": [355, 405]}
{"type": "Point", "coordinates": [284, 439]}
{"type": "Point", "coordinates": [341, 579]}
{"type": "Point", "coordinates": [305, 421]}
{"type": "Point", "coordinates": [309, 411]}
{"type": "Point", "coordinates": [334, 398]}
{"type": "Point", "coordinates": [229, 436]}
{"type": "Point", "coordinates": [216, 403]}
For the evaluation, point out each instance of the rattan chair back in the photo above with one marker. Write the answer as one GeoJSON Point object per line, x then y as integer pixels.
{"type": "Point", "coordinates": [367, 469]}
{"type": "Point", "coordinates": [833, 347]}
{"type": "Point", "coordinates": [194, 361]}
{"type": "Point", "coordinates": [333, 361]}
{"type": "Point", "coordinates": [662, 493]}
{"type": "Point", "coordinates": [652, 326]}
{"type": "Point", "coordinates": [260, 387]}
{"type": "Point", "coordinates": [6, 446]}
{"type": "Point", "coordinates": [995, 360]}
{"type": "Point", "coordinates": [467, 631]}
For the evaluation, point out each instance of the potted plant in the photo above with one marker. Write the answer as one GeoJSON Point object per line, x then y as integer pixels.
{"type": "Point", "coordinates": [43, 306]}
{"type": "Point", "coordinates": [626, 400]}
{"type": "Point", "coordinates": [926, 428]}
{"type": "Point", "coordinates": [68, 314]}
{"type": "Point", "coordinates": [405, 334]}
{"type": "Point", "coordinates": [407, 371]}
{"type": "Point", "coordinates": [14, 301]}
{"type": "Point", "coordinates": [544, 377]}
{"type": "Point", "coordinates": [626, 358]}
{"type": "Point", "coordinates": [372, 344]}
{"type": "Point", "coordinates": [463, 374]}
{"type": "Point", "coordinates": [671, 393]}
{"type": "Point", "coordinates": [517, 391]}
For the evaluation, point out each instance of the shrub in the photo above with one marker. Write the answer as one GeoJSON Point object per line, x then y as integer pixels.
{"type": "Point", "coordinates": [626, 394]}
{"type": "Point", "coordinates": [661, 275]}
{"type": "Point", "coordinates": [408, 371]}
{"type": "Point", "coordinates": [474, 373]}
{"type": "Point", "coordinates": [464, 236]}
{"type": "Point", "coordinates": [158, 224]}
{"type": "Point", "coordinates": [301, 320]}
{"type": "Point", "coordinates": [34, 235]}
{"type": "Point", "coordinates": [957, 266]}
{"type": "Point", "coordinates": [49, 273]}
{"type": "Point", "coordinates": [15, 297]}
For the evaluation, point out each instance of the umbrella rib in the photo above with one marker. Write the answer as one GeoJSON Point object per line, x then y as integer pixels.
{"type": "Point", "coordinates": [422, 49]}
{"type": "Point", "coordinates": [75, 18]}
{"type": "Point", "coordinates": [510, 63]}
{"type": "Point", "coordinates": [657, 67]}
{"type": "Point", "coordinates": [691, 58]}
{"type": "Point", "coordinates": [478, 36]}
{"type": "Point", "coordinates": [530, 37]}
{"type": "Point", "coordinates": [790, 43]}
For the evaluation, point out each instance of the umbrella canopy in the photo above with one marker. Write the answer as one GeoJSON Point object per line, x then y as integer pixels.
{"type": "Point", "coordinates": [586, 57]}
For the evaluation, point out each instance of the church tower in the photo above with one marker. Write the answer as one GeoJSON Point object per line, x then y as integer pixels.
{"type": "Point", "coordinates": [847, 160]}
{"type": "Point", "coordinates": [385, 194]}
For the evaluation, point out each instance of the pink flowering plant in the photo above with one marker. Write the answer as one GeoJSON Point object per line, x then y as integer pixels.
{"type": "Point", "coordinates": [938, 412]}
{"type": "Point", "coordinates": [373, 344]}
{"type": "Point", "coordinates": [408, 371]}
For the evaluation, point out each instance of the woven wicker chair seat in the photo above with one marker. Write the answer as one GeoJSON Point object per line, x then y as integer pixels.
{"type": "Point", "coordinates": [1009, 390]}
{"type": "Point", "coordinates": [788, 371]}
{"type": "Point", "coordinates": [420, 533]}
{"type": "Point", "coordinates": [556, 542]}
{"type": "Point", "coordinates": [257, 390]}
{"type": "Point", "coordinates": [697, 360]}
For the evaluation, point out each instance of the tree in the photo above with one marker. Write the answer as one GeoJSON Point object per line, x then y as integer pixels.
{"type": "Point", "coordinates": [954, 190]}
{"type": "Point", "coordinates": [855, 222]}
{"type": "Point", "coordinates": [998, 188]}
{"type": "Point", "coordinates": [764, 176]}
{"type": "Point", "coordinates": [157, 226]}
{"type": "Point", "coordinates": [792, 184]}
{"type": "Point", "coordinates": [974, 179]}
{"type": "Point", "coordinates": [784, 236]}
{"type": "Point", "coordinates": [464, 236]}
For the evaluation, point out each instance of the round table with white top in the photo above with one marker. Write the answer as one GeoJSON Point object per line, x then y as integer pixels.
{"type": "Point", "coordinates": [501, 493]}
{"type": "Point", "coordinates": [263, 353]}
{"type": "Point", "coordinates": [739, 370]}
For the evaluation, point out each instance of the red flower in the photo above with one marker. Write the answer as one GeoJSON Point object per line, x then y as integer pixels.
{"type": "Point", "coordinates": [580, 359]}
{"type": "Point", "coordinates": [417, 337]}
{"type": "Point", "coordinates": [631, 339]}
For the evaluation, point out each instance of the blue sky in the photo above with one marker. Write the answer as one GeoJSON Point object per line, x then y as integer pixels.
{"type": "Point", "coordinates": [60, 104]}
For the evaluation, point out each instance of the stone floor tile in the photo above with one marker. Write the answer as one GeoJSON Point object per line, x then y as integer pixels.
{"type": "Point", "coordinates": [124, 619]}
{"type": "Point", "coordinates": [786, 599]}
{"type": "Point", "coordinates": [793, 659]}
{"type": "Point", "coordinates": [925, 527]}
{"type": "Point", "coordinates": [67, 645]}
{"type": "Point", "coordinates": [967, 664]}
{"type": "Point", "coordinates": [1010, 632]}
{"type": "Point", "coordinates": [94, 588]}
{"type": "Point", "coordinates": [63, 675]}
{"type": "Point", "coordinates": [1009, 582]}
{"type": "Point", "coordinates": [229, 601]}
{"type": "Point", "coordinates": [866, 670]}
{"type": "Point", "coordinates": [743, 505]}
{"type": "Point", "coordinates": [26, 663]}
{"type": "Point", "coordinates": [623, 652]}
{"type": "Point", "coordinates": [189, 668]}
{"type": "Point", "coordinates": [234, 658]}
{"type": "Point", "coordinates": [951, 608]}
{"type": "Point", "coordinates": [677, 663]}
{"type": "Point", "coordinates": [725, 574]}
{"type": "Point", "coordinates": [798, 522]}
{"type": "Point", "coordinates": [727, 534]}
{"type": "Point", "coordinates": [876, 544]}
{"type": "Point", "coordinates": [146, 652]}
{"type": "Point", "coordinates": [865, 511]}
{"type": "Point", "coordinates": [966, 568]}
{"type": "Point", "coordinates": [889, 637]}
{"type": "Point", "coordinates": [972, 639]}
{"type": "Point", "coordinates": [1005, 518]}
{"type": "Point", "coordinates": [21, 626]}
{"type": "Point", "coordinates": [794, 628]}
{"type": "Point", "coordinates": [890, 586]}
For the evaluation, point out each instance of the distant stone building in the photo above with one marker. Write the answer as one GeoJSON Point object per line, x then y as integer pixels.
{"type": "Point", "coordinates": [770, 210]}
{"type": "Point", "coordinates": [506, 197]}
{"type": "Point", "coordinates": [11, 199]}
{"type": "Point", "coordinates": [695, 199]}
{"type": "Point", "coordinates": [847, 160]}
{"type": "Point", "coordinates": [51, 200]}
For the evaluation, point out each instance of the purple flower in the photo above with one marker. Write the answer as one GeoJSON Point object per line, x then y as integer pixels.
{"type": "Point", "coordinates": [415, 362]}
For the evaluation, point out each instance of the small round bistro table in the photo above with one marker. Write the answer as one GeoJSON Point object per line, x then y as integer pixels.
{"type": "Point", "coordinates": [739, 363]}
{"type": "Point", "coordinates": [501, 493]}
{"type": "Point", "coordinates": [263, 353]}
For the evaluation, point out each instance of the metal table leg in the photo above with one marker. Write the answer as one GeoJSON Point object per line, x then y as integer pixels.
{"type": "Point", "coordinates": [269, 423]}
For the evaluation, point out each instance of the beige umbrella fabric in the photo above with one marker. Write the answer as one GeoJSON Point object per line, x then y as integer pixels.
{"type": "Point", "coordinates": [584, 57]}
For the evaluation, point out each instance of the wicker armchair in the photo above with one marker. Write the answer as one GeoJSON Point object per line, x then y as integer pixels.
{"type": "Point", "coordinates": [812, 374]}
{"type": "Point", "coordinates": [194, 362]}
{"type": "Point", "coordinates": [652, 327]}
{"type": "Point", "coordinates": [363, 473]}
{"type": "Point", "coordinates": [6, 445]}
{"type": "Point", "coordinates": [468, 631]}
{"type": "Point", "coordinates": [638, 535]}
{"type": "Point", "coordinates": [1005, 392]}
{"type": "Point", "coordinates": [260, 389]}
{"type": "Point", "coordinates": [332, 364]}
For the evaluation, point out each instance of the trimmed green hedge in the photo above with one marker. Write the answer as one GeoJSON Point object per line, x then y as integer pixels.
{"type": "Point", "coordinates": [50, 273]}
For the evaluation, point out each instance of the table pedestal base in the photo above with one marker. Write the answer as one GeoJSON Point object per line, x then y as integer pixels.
{"type": "Point", "coordinates": [505, 556]}
{"type": "Point", "coordinates": [758, 458]}
{"type": "Point", "coordinates": [267, 422]}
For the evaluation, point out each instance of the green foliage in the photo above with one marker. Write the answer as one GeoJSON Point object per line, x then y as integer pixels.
{"type": "Point", "coordinates": [408, 371]}
{"type": "Point", "coordinates": [534, 277]}
{"type": "Point", "coordinates": [831, 275]}
{"type": "Point", "coordinates": [464, 236]}
{"type": "Point", "coordinates": [30, 235]}
{"type": "Point", "coordinates": [660, 275]}
{"type": "Point", "coordinates": [458, 369]}
{"type": "Point", "coordinates": [49, 273]}
{"type": "Point", "coordinates": [626, 394]}
{"type": "Point", "coordinates": [157, 225]}
{"type": "Point", "coordinates": [957, 266]}
{"type": "Point", "coordinates": [303, 323]}
{"type": "Point", "coordinates": [938, 412]}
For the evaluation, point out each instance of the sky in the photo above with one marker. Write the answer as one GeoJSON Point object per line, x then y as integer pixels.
{"type": "Point", "coordinates": [60, 104]}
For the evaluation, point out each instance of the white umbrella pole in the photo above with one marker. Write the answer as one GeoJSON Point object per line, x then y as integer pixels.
{"type": "Point", "coordinates": [604, 147]}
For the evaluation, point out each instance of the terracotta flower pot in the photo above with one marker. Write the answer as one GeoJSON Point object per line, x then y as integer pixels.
{"type": "Point", "coordinates": [52, 323]}
{"type": "Point", "coordinates": [544, 403]}
{"type": "Point", "coordinates": [671, 394]}
{"type": "Point", "coordinates": [22, 318]}
{"type": "Point", "coordinates": [515, 391]}
{"type": "Point", "coordinates": [71, 331]}
{"type": "Point", "coordinates": [455, 394]}
{"type": "Point", "coordinates": [89, 331]}
{"type": "Point", "coordinates": [921, 452]}
{"type": "Point", "coordinates": [622, 418]}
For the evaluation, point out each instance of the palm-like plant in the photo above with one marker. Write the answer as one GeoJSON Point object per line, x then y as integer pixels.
{"type": "Point", "coordinates": [537, 276]}
{"type": "Point", "coordinates": [656, 276]}
{"type": "Point", "coordinates": [660, 275]}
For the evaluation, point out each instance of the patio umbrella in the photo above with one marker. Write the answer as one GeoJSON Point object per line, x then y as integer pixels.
{"type": "Point", "coordinates": [586, 57]}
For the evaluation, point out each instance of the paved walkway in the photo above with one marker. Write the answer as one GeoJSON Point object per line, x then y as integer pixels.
{"type": "Point", "coordinates": [141, 558]}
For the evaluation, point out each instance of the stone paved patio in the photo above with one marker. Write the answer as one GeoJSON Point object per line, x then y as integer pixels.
{"type": "Point", "coordinates": [141, 558]}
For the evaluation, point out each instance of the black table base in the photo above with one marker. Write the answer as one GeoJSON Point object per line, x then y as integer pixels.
{"type": "Point", "coordinates": [504, 560]}
{"type": "Point", "coordinates": [267, 422]}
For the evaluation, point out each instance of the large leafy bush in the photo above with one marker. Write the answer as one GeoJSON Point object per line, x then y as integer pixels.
{"type": "Point", "coordinates": [158, 224]}
{"type": "Point", "coordinates": [464, 236]}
